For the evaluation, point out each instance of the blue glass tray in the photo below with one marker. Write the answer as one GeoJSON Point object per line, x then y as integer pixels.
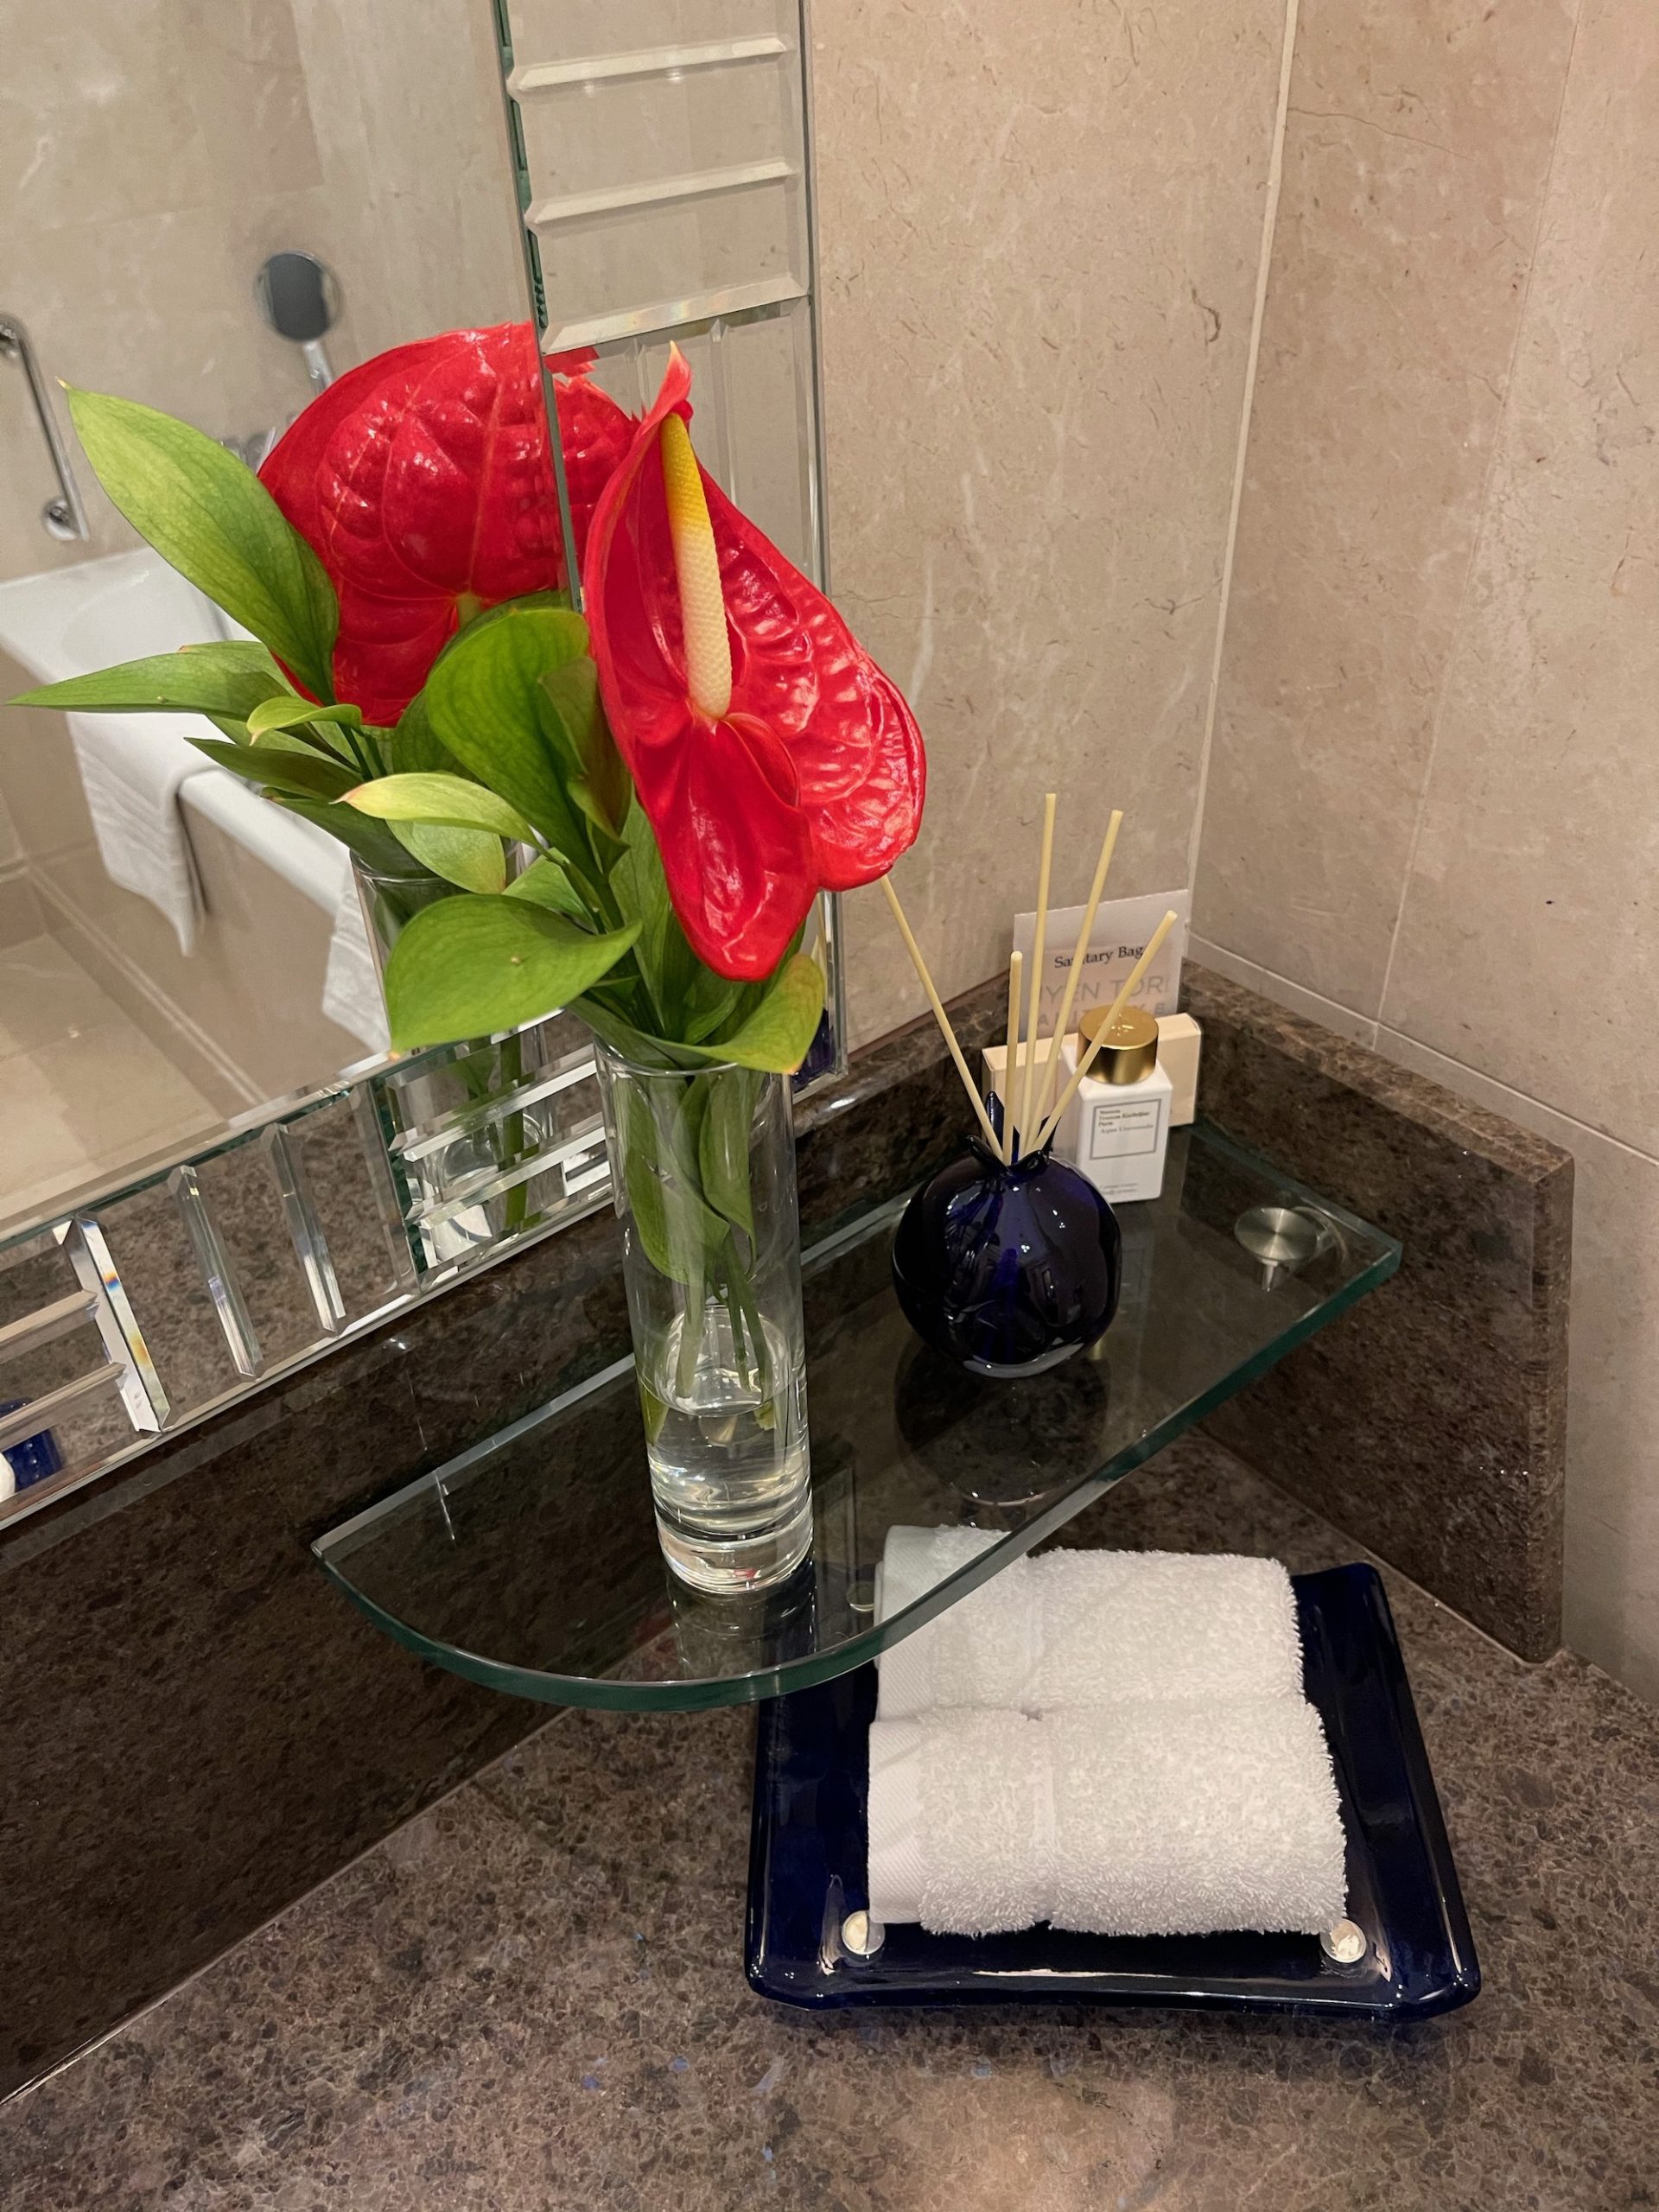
{"type": "Point", "coordinates": [807, 1865]}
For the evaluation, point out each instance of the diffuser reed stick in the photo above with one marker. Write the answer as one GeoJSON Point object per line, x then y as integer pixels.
{"type": "Point", "coordinates": [1079, 960]}
{"type": "Point", "coordinates": [1044, 869]}
{"type": "Point", "coordinates": [1087, 1059]}
{"type": "Point", "coordinates": [1016, 965]}
{"type": "Point", "coordinates": [941, 1016]}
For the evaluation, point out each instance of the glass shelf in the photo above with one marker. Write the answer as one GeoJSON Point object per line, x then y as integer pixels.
{"type": "Point", "coordinates": [531, 1562]}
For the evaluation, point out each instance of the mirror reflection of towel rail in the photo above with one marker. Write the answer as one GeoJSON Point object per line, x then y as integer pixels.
{"type": "Point", "coordinates": [65, 517]}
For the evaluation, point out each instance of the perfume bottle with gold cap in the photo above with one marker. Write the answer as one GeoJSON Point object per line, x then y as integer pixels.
{"type": "Point", "coordinates": [1117, 1131]}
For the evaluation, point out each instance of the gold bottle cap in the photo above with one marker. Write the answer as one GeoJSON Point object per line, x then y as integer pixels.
{"type": "Point", "coordinates": [1131, 1048]}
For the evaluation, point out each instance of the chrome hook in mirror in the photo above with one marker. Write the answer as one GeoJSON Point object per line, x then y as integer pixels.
{"type": "Point", "coordinates": [300, 300]}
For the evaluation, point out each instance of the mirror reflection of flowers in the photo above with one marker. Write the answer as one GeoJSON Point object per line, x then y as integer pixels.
{"type": "Point", "coordinates": [424, 483]}
{"type": "Point", "coordinates": [643, 821]}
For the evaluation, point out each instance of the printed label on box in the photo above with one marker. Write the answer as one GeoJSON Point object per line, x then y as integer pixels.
{"type": "Point", "coordinates": [1117, 942]}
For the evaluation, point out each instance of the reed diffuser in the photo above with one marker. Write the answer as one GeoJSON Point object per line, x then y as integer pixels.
{"type": "Point", "coordinates": [1009, 1260]}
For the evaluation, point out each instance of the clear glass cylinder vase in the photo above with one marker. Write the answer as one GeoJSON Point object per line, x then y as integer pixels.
{"type": "Point", "coordinates": [703, 1167]}
{"type": "Point", "coordinates": [390, 901]}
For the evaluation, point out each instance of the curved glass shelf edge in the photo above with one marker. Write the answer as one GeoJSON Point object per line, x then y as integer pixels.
{"type": "Point", "coordinates": [807, 1633]}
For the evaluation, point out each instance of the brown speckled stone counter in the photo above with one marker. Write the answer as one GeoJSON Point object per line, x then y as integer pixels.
{"type": "Point", "coordinates": [1434, 1424]}
{"type": "Point", "coordinates": [530, 2000]}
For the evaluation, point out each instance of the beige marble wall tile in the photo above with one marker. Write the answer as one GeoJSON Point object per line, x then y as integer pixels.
{"type": "Point", "coordinates": [139, 143]}
{"type": "Point", "coordinates": [247, 82]}
{"type": "Point", "coordinates": [96, 120]}
{"type": "Point", "coordinates": [1340, 1019]}
{"type": "Point", "coordinates": [11, 845]}
{"type": "Point", "coordinates": [160, 308]}
{"type": "Point", "coordinates": [40, 782]}
{"type": "Point", "coordinates": [1416, 150]}
{"type": "Point", "coordinates": [1040, 235]}
{"type": "Point", "coordinates": [83, 1106]}
{"type": "Point", "coordinates": [270, 1040]}
{"type": "Point", "coordinates": [1528, 945]}
{"type": "Point", "coordinates": [20, 907]}
{"type": "Point", "coordinates": [154, 152]}
{"type": "Point", "coordinates": [1612, 1612]}
{"type": "Point", "coordinates": [46, 995]}
{"type": "Point", "coordinates": [419, 220]}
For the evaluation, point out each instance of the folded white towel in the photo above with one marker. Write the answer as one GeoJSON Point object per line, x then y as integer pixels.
{"type": "Point", "coordinates": [960, 1825]}
{"type": "Point", "coordinates": [1135, 1820]}
{"type": "Point", "coordinates": [132, 767]}
{"type": "Point", "coordinates": [1174, 1819]}
{"type": "Point", "coordinates": [1085, 1628]}
{"type": "Point", "coordinates": [351, 989]}
{"type": "Point", "coordinates": [981, 1651]}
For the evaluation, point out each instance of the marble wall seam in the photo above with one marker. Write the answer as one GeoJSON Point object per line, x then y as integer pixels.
{"type": "Point", "coordinates": [1518, 938]}
{"type": "Point", "coordinates": [1477, 546]}
{"type": "Point", "coordinates": [1034, 354]}
{"type": "Point", "coordinates": [1419, 141]}
{"type": "Point", "coordinates": [1357, 1028]}
{"type": "Point", "coordinates": [1269, 223]}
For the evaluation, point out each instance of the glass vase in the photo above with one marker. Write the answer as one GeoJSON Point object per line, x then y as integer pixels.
{"type": "Point", "coordinates": [391, 899]}
{"type": "Point", "coordinates": [703, 1168]}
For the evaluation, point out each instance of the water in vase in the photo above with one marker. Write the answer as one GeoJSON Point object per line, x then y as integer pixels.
{"type": "Point", "coordinates": [726, 1440]}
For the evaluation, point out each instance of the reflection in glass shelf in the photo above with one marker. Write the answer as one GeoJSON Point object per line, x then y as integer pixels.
{"type": "Point", "coordinates": [531, 1563]}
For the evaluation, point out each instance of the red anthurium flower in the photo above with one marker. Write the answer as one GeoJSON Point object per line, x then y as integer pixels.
{"type": "Point", "coordinates": [422, 481]}
{"type": "Point", "coordinates": [773, 758]}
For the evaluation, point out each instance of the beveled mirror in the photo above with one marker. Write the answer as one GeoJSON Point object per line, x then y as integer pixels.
{"type": "Point", "coordinates": [211, 1169]}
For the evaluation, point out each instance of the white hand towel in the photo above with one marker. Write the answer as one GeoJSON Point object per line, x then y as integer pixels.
{"type": "Point", "coordinates": [979, 1652]}
{"type": "Point", "coordinates": [1085, 1628]}
{"type": "Point", "coordinates": [132, 767]}
{"type": "Point", "coordinates": [1176, 1819]}
{"type": "Point", "coordinates": [351, 989]}
{"type": "Point", "coordinates": [1165, 1625]}
{"type": "Point", "coordinates": [959, 1822]}
{"type": "Point", "coordinates": [1139, 1819]}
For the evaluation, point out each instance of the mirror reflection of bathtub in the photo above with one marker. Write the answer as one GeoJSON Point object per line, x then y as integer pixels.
{"type": "Point", "coordinates": [233, 943]}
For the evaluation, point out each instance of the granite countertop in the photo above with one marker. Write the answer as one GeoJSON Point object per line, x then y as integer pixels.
{"type": "Point", "coordinates": [530, 2000]}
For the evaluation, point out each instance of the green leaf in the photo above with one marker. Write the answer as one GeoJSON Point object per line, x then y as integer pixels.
{"type": "Point", "coordinates": [715, 1002]}
{"type": "Point", "coordinates": [285, 741]}
{"type": "Point", "coordinates": [672, 971]}
{"type": "Point", "coordinates": [544, 883]}
{"type": "Point", "coordinates": [229, 680]}
{"type": "Point", "coordinates": [298, 771]}
{"type": "Point", "coordinates": [636, 1045]}
{"type": "Point", "coordinates": [659, 1172]}
{"type": "Point", "coordinates": [778, 1032]}
{"type": "Point", "coordinates": [575, 720]}
{"type": "Point", "coordinates": [723, 1144]}
{"type": "Point", "coordinates": [474, 859]}
{"type": "Point", "coordinates": [210, 517]}
{"type": "Point", "coordinates": [236, 732]}
{"type": "Point", "coordinates": [470, 967]}
{"type": "Point", "coordinates": [289, 713]}
{"type": "Point", "coordinates": [414, 746]}
{"type": "Point", "coordinates": [440, 798]}
{"type": "Point", "coordinates": [372, 843]}
{"type": "Point", "coordinates": [485, 704]}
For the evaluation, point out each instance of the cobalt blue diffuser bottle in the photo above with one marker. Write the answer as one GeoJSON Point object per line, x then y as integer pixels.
{"type": "Point", "coordinates": [1007, 1269]}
